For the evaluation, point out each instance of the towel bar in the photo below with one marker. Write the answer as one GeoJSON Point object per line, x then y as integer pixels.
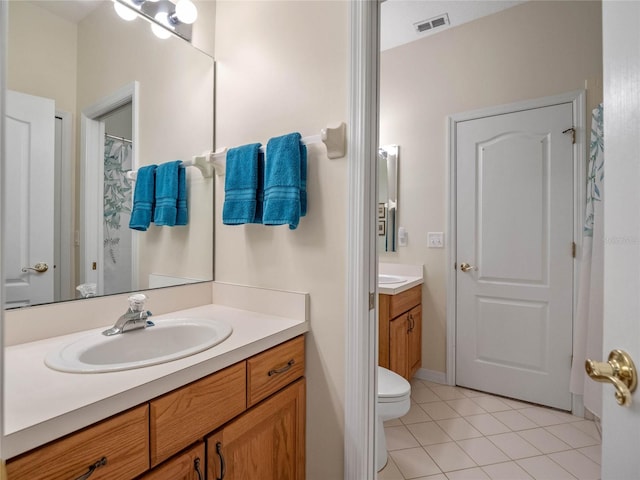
{"type": "Point", "coordinates": [333, 138]}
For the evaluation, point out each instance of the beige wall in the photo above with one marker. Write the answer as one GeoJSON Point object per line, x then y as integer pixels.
{"type": "Point", "coordinates": [176, 122]}
{"type": "Point", "coordinates": [529, 51]}
{"type": "Point", "coordinates": [282, 67]}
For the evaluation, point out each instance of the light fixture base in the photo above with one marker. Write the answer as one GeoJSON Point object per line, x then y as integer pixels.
{"type": "Point", "coordinates": [149, 10]}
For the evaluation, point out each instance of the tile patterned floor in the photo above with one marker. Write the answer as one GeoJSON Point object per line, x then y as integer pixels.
{"type": "Point", "coordinates": [452, 433]}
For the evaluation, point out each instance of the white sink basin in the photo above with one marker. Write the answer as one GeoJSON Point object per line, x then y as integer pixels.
{"type": "Point", "coordinates": [384, 279]}
{"type": "Point", "coordinates": [167, 340]}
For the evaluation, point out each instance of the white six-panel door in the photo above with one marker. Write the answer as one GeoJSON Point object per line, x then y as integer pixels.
{"type": "Point", "coordinates": [28, 192]}
{"type": "Point", "coordinates": [515, 229]}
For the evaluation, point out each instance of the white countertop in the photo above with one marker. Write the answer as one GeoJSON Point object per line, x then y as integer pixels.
{"type": "Point", "coordinates": [43, 404]}
{"type": "Point", "coordinates": [411, 275]}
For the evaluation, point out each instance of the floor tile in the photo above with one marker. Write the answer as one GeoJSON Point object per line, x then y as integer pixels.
{"type": "Point", "coordinates": [414, 462]}
{"type": "Point", "coordinates": [390, 471]}
{"type": "Point", "coordinates": [399, 437]}
{"type": "Point", "coordinates": [482, 451]}
{"type": "Point", "coordinates": [428, 433]}
{"type": "Point", "coordinates": [515, 404]}
{"type": "Point", "coordinates": [446, 392]}
{"type": "Point", "coordinates": [417, 383]}
{"type": "Point", "coordinates": [543, 468]}
{"type": "Point", "coordinates": [415, 415]}
{"type": "Point", "coordinates": [472, 393]}
{"type": "Point", "coordinates": [594, 453]}
{"type": "Point", "coordinates": [491, 404]}
{"type": "Point", "coordinates": [542, 417]}
{"type": "Point", "coordinates": [544, 441]}
{"type": "Point", "coordinates": [465, 406]}
{"type": "Point", "coordinates": [514, 446]}
{"type": "Point", "coordinates": [468, 474]}
{"type": "Point", "coordinates": [588, 427]}
{"type": "Point", "coordinates": [577, 464]}
{"type": "Point", "coordinates": [449, 456]}
{"type": "Point", "coordinates": [458, 428]}
{"type": "Point", "coordinates": [424, 395]}
{"type": "Point", "coordinates": [506, 471]}
{"type": "Point", "coordinates": [571, 435]}
{"type": "Point", "coordinates": [439, 476]}
{"type": "Point", "coordinates": [395, 422]}
{"type": "Point", "coordinates": [514, 420]}
{"type": "Point", "coordinates": [439, 410]}
{"type": "Point", "coordinates": [487, 424]}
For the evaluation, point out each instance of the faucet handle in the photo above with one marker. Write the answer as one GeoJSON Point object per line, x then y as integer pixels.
{"type": "Point", "coordinates": [136, 302]}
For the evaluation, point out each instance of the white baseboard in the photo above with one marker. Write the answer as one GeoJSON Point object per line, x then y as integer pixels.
{"type": "Point", "coordinates": [431, 376]}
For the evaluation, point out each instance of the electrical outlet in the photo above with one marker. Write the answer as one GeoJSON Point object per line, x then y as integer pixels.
{"type": "Point", "coordinates": [435, 240]}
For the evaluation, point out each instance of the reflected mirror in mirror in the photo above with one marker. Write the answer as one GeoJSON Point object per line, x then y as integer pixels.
{"type": "Point", "coordinates": [88, 100]}
{"type": "Point", "coordinates": [387, 197]}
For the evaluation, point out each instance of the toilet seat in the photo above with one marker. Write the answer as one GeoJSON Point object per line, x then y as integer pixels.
{"type": "Point", "coordinates": [391, 386]}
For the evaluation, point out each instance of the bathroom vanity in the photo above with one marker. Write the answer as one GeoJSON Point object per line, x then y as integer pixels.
{"type": "Point", "coordinates": [400, 320]}
{"type": "Point", "coordinates": [206, 414]}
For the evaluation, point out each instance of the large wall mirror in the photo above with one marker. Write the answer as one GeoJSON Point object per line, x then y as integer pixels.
{"type": "Point", "coordinates": [89, 99]}
{"type": "Point", "coordinates": [387, 198]}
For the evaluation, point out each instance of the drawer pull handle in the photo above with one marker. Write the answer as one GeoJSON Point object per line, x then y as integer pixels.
{"type": "Point", "coordinates": [196, 467]}
{"type": "Point", "coordinates": [223, 468]}
{"type": "Point", "coordinates": [275, 371]}
{"type": "Point", "coordinates": [92, 468]}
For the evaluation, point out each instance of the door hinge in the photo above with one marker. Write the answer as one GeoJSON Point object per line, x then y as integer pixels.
{"type": "Point", "coordinates": [573, 249]}
{"type": "Point", "coordinates": [572, 132]}
{"type": "Point", "coordinates": [455, 266]}
{"type": "Point", "coordinates": [372, 301]}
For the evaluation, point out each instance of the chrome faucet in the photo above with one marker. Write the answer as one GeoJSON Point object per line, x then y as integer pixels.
{"type": "Point", "coordinates": [133, 319]}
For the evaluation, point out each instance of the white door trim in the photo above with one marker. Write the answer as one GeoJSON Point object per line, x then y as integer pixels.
{"type": "Point", "coordinates": [361, 328]}
{"type": "Point", "coordinates": [66, 266]}
{"type": "Point", "coordinates": [91, 144]}
{"type": "Point", "coordinates": [578, 100]}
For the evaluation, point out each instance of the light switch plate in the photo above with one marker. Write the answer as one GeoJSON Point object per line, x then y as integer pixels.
{"type": "Point", "coordinates": [435, 240]}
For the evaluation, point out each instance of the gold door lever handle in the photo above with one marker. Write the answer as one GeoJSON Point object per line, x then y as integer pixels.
{"type": "Point", "coordinates": [618, 370]}
{"type": "Point", "coordinates": [465, 267]}
{"type": "Point", "coordinates": [38, 267]}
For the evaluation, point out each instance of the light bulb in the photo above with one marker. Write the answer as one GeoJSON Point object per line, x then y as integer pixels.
{"type": "Point", "coordinates": [159, 31]}
{"type": "Point", "coordinates": [186, 11]}
{"type": "Point", "coordinates": [123, 12]}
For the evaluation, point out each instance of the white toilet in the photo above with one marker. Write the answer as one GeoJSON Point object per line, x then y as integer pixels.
{"type": "Point", "coordinates": [393, 402]}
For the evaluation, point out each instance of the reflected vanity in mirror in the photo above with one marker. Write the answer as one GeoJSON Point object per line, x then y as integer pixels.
{"type": "Point", "coordinates": [66, 160]}
{"type": "Point", "coordinates": [387, 197]}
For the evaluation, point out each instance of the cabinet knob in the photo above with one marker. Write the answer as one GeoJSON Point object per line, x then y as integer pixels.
{"type": "Point", "coordinates": [93, 468]}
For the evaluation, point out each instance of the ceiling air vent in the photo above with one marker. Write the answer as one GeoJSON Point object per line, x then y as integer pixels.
{"type": "Point", "coordinates": [430, 24]}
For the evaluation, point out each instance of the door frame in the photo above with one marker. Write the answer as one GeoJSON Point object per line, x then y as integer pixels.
{"type": "Point", "coordinates": [66, 265]}
{"type": "Point", "coordinates": [91, 173]}
{"type": "Point", "coordinates": [578, 100]}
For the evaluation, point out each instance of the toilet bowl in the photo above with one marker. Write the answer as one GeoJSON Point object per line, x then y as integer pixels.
{"type": "Point", "coordinates": [393, 402]}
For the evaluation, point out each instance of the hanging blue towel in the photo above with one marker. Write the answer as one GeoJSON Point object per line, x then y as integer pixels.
{"type": "Point", "coordinates": [257, 218]}
{"type": "Point", "coordinates": [303, 180]}
{"type": "Point", "coordinates": [282, 181]}
{"type": "Point", "coordinates": [143, 198]}
{"type": "Point", "coordinates": [182, 216]}
{"type": "Point", "coordinates": [166, 211]}
{"type": "Point", "coordinates": [240, 185]}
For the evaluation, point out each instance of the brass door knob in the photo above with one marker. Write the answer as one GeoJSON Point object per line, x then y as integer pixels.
{"type": "Point", "coordinates": [38, 268]}
{"type": "Point", "coordinates": [465, 267]}
{"type": "Point", "coordinates": [618, 370]}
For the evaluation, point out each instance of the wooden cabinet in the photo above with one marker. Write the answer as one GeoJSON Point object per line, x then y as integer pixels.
{"type": "Point", "coordinates": [400, 332]}
{"type": "Point", "coordinates": [266, 442]}
{"type": "Point", "coordinates": [183, 416]}
{"type": "Point", "coordinates": [258, 402]}
{"type": "Point", "coordinates": [122, 441]}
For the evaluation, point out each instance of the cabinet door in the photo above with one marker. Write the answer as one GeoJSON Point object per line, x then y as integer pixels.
{"type": "Point", "coordinates": [414, 342]}
{"type": "Point", "coordinates": [188, 465]}
{"type": "Point", "coordinates": [266, 442]}
{"type": "Point", "coordinates": [398, 354]}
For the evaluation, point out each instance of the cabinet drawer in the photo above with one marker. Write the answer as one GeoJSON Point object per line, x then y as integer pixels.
{"type": "Point", "coordinates": [123, 440]}
{"type": "Point", "coordinates": [186, 415]}
{"type": "Point", "coordinates": [184, 466]}
{"type": "Point", "coordinates": [274, 369]}
{"type": "Point", "coordinates": [402, 302]}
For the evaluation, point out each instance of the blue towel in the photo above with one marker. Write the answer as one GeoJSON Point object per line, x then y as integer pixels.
{"type": "Point", "coordinates": [282, 181]}
{"type": "Point", "coordinates": [167, 194]}
{"type": "Point", "coordinates": [240, 185]}
{"type": "Point", "coordinates": [303, 180]}
{"type": "Point", "coordinates": [143, 198]}
{"type": "Point", "coordinates": [257, 218]}
{"type": "Point", "coordinates": [182, 216]}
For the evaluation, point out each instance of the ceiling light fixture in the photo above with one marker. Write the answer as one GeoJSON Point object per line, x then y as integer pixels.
{"type": "Point", "coordinates": [165, 16]}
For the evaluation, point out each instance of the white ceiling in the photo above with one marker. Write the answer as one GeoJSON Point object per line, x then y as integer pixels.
{"type": "Point", "coordinates": [72, 10]}
{"type": "Point", "coordinates": [399, 16]}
